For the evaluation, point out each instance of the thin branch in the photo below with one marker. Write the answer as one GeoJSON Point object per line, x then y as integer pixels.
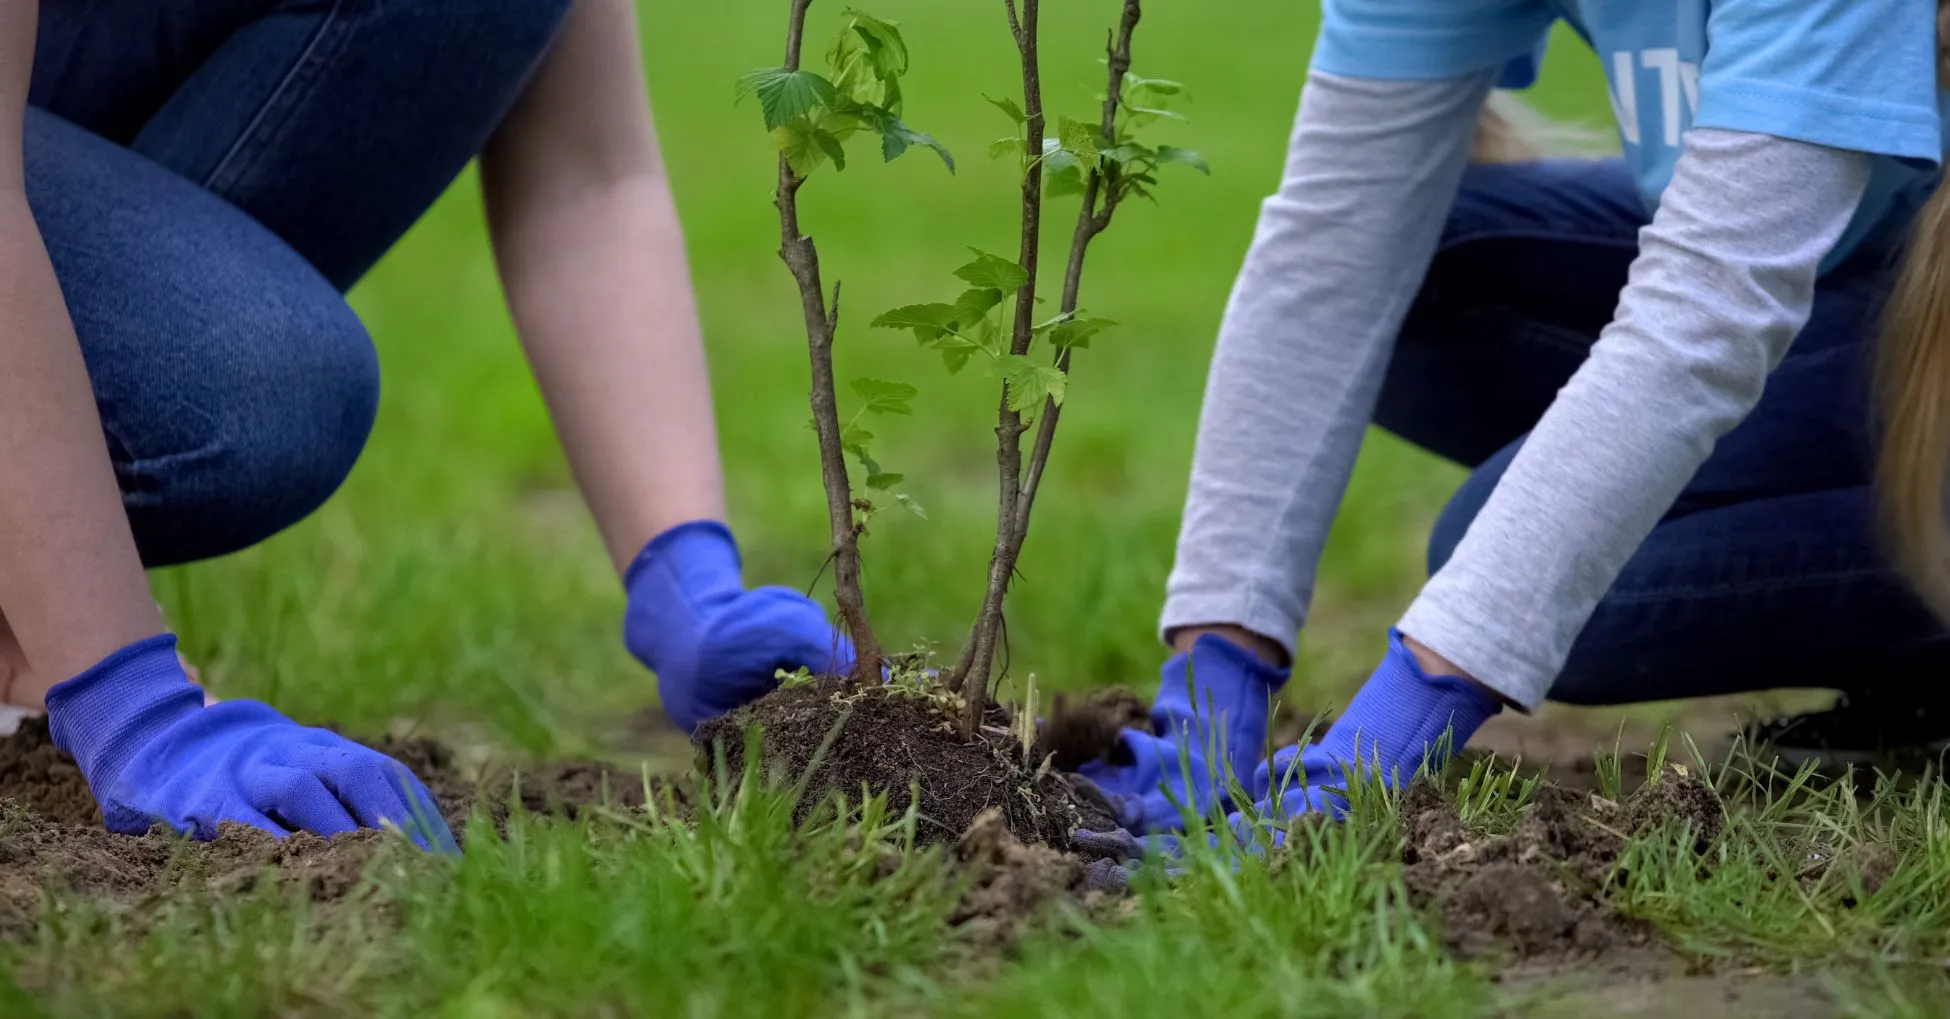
{"type": "Point", "coordinates": [795, 33]}
{"type": "Point", "coordinates": [971, 674]}
{"type": "Point", "coordinates": [802, 258]}
{"type": "Point", "coordinates": [1091, 221]}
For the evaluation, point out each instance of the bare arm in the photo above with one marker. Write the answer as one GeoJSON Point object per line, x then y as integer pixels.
{"type": "Point", "coordinates": [71, 582]}
{"type": "Point", "coordinates": [592, 257]}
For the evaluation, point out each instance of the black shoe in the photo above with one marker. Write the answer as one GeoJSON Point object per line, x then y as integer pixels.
{"type": "Point", "coordinates": [1864, 729]}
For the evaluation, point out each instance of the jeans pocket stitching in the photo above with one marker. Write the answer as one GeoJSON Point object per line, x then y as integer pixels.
{"type": "Point", "coordinates": [291, 91]}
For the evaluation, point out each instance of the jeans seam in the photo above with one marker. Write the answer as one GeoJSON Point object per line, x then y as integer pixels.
{"type": "Point", "coordinates": [1745, 587]}
{"type": "Point", "coordinates": [290, 91]}
{"type": "Point", "coordinates": [1566, 235]}
{"type": "Point", "coordinates": [1563, 339]}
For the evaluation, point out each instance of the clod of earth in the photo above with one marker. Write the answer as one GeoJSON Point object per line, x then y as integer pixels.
{"type": "Point", "coordinates": [837, 737]}
{"type": "Point", "coordinates": [1083, 730]}
{"type": "Point", "coordinates": [1537, 893]}
{"type": "Point", "coordinates": [1011, 885]}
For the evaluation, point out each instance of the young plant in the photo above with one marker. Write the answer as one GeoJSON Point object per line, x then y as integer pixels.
{"type": "Point", "coordinates": [1105, 163]}
{"type": "Point", "coordinates": [812, 117]}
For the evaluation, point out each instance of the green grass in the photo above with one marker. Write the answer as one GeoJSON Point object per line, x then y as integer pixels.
{"type": "Point", "coordinates": [738, 912]}
{"type": "Point", "coordinates": [457, 584]}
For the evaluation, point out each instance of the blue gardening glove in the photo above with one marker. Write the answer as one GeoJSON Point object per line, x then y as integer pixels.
{"type": "Point", "coordinates": [714, 645]}
{"type": "Point", "coordinates": [1213, 702]}
{"type": "Point", "coordinates": [1392, 727]}
{"type": "Point", "coordinates": [152, 751]}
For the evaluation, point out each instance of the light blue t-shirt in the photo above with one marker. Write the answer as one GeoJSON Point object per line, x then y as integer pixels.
{"type": "Point", "coordinates": [1852, 74]}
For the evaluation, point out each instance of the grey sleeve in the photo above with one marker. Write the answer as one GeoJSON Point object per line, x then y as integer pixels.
{"type": "Point", "coordinates": [1722, 285]}
{"type": "Point", "coordinates": [1339, 253]}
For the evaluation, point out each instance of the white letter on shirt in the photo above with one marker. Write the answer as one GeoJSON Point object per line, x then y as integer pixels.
{"type": "Point", "coordinates": [1666, 62]}
{"type": "Point", "coordinates": [1625, 96]}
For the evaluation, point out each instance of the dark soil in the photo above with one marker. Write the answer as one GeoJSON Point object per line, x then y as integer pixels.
{"type": "Point", "coordinates": [35, 774]}
{"type": "Point", "coordinates": [1537, 893]}
{"type": "Point", "coordinates": [1084, 730]}
{"type": "Point", "coordinates": [1013, 886]}
{"type": "Point", "coordinates": [558, 788]}
{"type": "Point", "coordinates": [52, 839]}
{"type": "Point", "coordinates": [836, 737]}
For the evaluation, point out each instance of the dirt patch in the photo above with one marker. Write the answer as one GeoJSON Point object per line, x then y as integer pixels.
{"type": "Point", "coordinates": [558, 788]}
{"type": "Point", "coordinates": [1536, 894]}
{"type": "Point", "coordinates": [1728, 996]}
{"type": "Point", "coordinates": [39, 860]}
{"type": "Point", "coordinates": [1012, 885]}
{"type": "Point", "coordinates": [837, 737]}
{"type": "Point", "coordinates": [52, 840]}
{"type": "Point", "coordinates": [1850, 876]}
{"type": "Point", "coordinates": [37, 775]}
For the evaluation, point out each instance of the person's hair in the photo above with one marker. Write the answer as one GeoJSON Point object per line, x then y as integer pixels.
{"type": "Point", "coordinates": [1913, 392]}
{"type": "Point", "coordinates": [1510, 131]}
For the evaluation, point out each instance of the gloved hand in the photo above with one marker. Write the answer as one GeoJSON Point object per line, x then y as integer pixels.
{"type": "Point", "coordinates": [714, 645]}
{"type": "Point", "coordinates": [152, 751]}
{"type": "Point", "coordinates": [1213, 702]}
{"type": "Point", "coordinates": [1392, 727]}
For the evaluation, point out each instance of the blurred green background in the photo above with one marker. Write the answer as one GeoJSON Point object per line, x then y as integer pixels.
{"type": "Point", "coordinates": [456, 583]}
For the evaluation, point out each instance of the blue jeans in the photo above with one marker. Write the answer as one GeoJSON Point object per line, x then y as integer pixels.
{"type": "Point", "coordinates": [1766, 573]}
{"type": "Point", "coordinates": [210, 176]}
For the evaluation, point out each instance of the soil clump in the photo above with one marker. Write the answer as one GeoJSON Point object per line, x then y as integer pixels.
{"type": "Point", "coordinates": [836, 737]}
{"type": "Point", "coordinates": [1537, 894]}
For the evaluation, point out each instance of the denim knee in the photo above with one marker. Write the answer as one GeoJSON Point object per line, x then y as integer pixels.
{"type": "Point", "coordinates": [1465, 504]}
{"type": "Point", "coordinates": [274, 435]}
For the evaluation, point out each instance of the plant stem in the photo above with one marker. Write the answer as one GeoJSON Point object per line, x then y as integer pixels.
{"type": "Point", "coordinates": [802, 258]}
{"type": "Point", "coordinates": [970, 677]}
{"type": "Point", "coordinates": [1091, 221]}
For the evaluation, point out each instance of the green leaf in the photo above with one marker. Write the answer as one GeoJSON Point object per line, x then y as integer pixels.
{"type": "Point", "coordinates": [854, 439]}
{"type": "Point", "coordinates": [1005, 146]}
{"type": "Point", "coordinates": [1067, 181]}
{"type": "Point", "coordinates": [907, 502]}
{"type": "Point", "coordinates": [880, 481]}
{"type": "Point", "coordinates": [804, 146]}
{"type": "Point", "coordinates": [886, 51]}
{"type": "Point", "coordinates": [830, 144]}
{"type": "Point", "coordinates": [1009, 107]}
{"type": "Point", "coordinates": [1030, 383]}
{"type": "Point", "coordinates": [1159, 86]}
{"type": "Point", "coordinates": [956, 350]}
{"type": "Point", "coordinates": [929, 321]}
{"type": "Point", "coordinates": [1043, 327]}
{"type": "Point", "coordinates": [1076, 333]}
{"type": "Point", "coordinates": [1062, 174]}
{"type": "Point", "coordinates": [1056, 158]}
{"type": "Point", "coordinates": [974, 304]}
{"type": "Point", "coordinates": [867, 462]}
{"type": "Point", "coordinates": [1174, 154]}
{"type": "Point", "coordinates": [786, 95]}
{"type": "Point", "coordinates": [896, 138]}
{"type": "Point", "coordinates": [1080, 140]}
{"type": "Point", "coordinates": [1152, 111]}
{"type": "Point", "coordinates": [993, 272]}
{"type": "Point", "coordinates": [885, 397]}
